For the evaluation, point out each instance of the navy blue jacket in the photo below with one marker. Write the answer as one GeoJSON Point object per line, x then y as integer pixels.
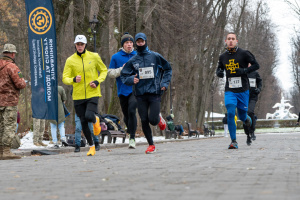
{"type": "Point", "coordinates": [118, 60]}
{"type": "Point", "coordinates": [161, 68]}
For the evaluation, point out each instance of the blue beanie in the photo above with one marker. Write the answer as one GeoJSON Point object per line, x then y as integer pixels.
{"type": "Point", "coordinates": [140, 36]}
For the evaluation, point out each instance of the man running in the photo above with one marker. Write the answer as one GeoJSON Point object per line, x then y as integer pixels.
{"type": "Point", "coordinates": [235, 63]}
{"type": "Point", "coordinates": [150, 75]}
{"type": "Point", "coordinates": [81, 70]}
{"type": "Point", "coordinates": [127, 99]}
{"type": "Point", "coordinates": [255, 87]}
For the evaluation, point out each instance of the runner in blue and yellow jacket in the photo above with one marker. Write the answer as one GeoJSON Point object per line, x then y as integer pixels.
{"type": "Point", "coordinates": [81, 71]}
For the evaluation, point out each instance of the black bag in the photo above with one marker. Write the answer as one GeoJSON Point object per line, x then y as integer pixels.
{"type": "Point", "coordinates": [71, 140]}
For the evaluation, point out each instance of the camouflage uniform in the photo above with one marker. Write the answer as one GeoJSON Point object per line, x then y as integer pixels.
{"type": "Point", "coordinates": [11, 82]}
{"type": "Point", "coordinates": [38, 130]}
{"type": "Point", "coordinates": [8, 124]}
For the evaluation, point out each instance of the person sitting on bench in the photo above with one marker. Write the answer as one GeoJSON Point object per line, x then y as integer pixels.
{"type": "Point", "coordinates": [178, 128]}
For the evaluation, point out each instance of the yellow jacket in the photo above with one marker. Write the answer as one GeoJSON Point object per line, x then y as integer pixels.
{"type": "Point", "coordinates": [87, 66]}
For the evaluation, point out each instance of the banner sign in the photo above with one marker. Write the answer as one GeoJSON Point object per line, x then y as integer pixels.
{"type": "Point", "coordinates": [43, 58]}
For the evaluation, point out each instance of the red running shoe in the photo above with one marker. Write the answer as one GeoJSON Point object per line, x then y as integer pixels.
{"type": "Point", "coordinates": [150, 149]}
{"type": "Point", "coordinates": [162, 123]}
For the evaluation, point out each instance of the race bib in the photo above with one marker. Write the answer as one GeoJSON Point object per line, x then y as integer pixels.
{"type": "Point", "coordinates": [235, 82]}
{"type": "Point", "coordinates": [146, 73]}
{"type": "Point", "coordinates": [252, 82]}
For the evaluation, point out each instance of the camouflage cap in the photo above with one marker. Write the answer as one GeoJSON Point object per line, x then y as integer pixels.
{"type": "Point", "coordinates": [9, 48]}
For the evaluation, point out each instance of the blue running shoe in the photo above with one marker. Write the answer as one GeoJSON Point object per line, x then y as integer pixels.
{"type": "Point", "coordinates": [248, 121]}
{"type": "Point", "coordinates": [233, 145]}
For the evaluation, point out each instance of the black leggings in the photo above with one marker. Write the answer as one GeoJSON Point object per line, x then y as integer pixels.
{"type": "Point", "coordinates": [128, 105]}
{"type": "Point", "coordinates": [86, 110]}
{"type": "Point", "coordinates": [149, 109]}
{"type": "Point", "coordinates": [251, 107]}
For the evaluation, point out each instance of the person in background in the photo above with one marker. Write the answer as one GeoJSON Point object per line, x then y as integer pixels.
{"type": "Point", "coordinates": [38, 132]}
{"type": "Point", "coordinates": [255, 87]}
{"type": "Point", "coordinates": [225, 125]}
{"type": "Point", "coordinates": [78, 130]}
{"type": "Point", "coordinates": [149, 74]}
{"type": "Point", "coordinates": [171, 125]}
{"type": "Point", "coordinates": [18, 121]}
{"type": "Point", "coordinates": [84, 70]}
{"type": "Point", "coordinates": [11, 83]}
{"type": "Point", "coordinates": [126, 97]}
{"type": "Point", "coordinates": [60, 124]}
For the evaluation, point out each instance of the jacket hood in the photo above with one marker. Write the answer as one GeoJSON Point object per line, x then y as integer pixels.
{"type": "Point", "coordinates": [140, 36]}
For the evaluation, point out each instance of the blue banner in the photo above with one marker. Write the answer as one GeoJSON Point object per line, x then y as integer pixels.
{"type": "Point", "coordinates": [43, 58]}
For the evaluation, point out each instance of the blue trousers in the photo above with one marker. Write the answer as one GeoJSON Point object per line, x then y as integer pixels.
{"type": "Point", "coordinates": [233, 101]}
{"type": "Point", "coordinates": [78, 129]}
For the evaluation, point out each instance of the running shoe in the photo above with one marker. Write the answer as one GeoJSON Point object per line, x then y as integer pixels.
{"type": "Point", "coordinates": [131, 144]}
{"type": "Point", "coordinates": [253, 137]}
{"type": "Point", "coordinates": [248, 121]}
{"type": "Point", "coordinates": [248, 140]}
{"type": "Point", "coordinates": [150, 149]}
{"type": "Point", "coordinates": [92, 151]}
{"type": "Point", "coordinates": [162, 123]}
{"type": "Point", "coordinates": [233, 145]}
{"type": "Point", "coordinates": [97, 127]}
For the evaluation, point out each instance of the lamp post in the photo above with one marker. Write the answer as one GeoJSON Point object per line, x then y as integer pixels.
{"type": "Point", "coordinates": [94, 24]}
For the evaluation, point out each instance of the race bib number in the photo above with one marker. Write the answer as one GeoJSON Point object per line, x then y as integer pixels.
{"type": "Point", "coordinates": [146, 73]}
{"type": "Point", "coordinates": [252, 82]}
{"type": "Point", "coordinates": [235, 82]}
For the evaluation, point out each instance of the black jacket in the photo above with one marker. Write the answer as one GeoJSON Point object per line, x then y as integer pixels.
{"type": "Point", "coordinates": [258, 84]}
{"type": "Point", "coordinates": [240, 59]}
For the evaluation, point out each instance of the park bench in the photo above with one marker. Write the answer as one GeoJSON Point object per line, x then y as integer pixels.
{"type": "Point", "coordinates": [171, 134]}
{"type": "Point", "coordinates": [112, 136]}
{"type": "Point", "coordinates": [208, 132]}
{"type": "Point", "coordinates": [191, 131]}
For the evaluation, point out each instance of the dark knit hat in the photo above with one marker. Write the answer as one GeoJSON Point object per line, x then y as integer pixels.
{"type": "Point", "coordinates": [126, 37]}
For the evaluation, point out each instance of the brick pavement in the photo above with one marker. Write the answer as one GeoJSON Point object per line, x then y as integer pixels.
{"type": "Point", "coordinates": [197, 169]}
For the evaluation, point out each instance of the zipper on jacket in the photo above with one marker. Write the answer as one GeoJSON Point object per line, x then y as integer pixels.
{"type": "Point", "coordinates": [84, 77]}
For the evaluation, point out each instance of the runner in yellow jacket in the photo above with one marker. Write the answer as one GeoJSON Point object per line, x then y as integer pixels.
{"type": "Point", "coordinates": [81, 70]}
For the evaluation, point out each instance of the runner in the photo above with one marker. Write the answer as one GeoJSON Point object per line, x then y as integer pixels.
{"type": "Point", "coordinates": [255, 88]}
{"type": "Point", "coordinates": [81, 71]}
{"type": "Point", "coordinates": [235, 62]}
{"type": "Point", "coordinates": [127, 99]}
{"type": "Point", "coordinates": [150, 75]}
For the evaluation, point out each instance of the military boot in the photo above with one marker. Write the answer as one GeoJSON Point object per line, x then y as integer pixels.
{"type": "Point", "coordinates": [7, 154]}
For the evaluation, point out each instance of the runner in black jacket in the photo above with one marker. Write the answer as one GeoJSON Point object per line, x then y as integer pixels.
{"type": "Point", "coordinates": [235, 62]}
{"type": "Point", "coordinates": [255, 88]}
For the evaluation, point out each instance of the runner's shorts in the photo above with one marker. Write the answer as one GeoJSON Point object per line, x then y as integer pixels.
{"type": "Point", "coordinates": [240, 100]}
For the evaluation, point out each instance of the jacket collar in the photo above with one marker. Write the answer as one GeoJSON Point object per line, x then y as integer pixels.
{"type": "Point", "coordinates": [146, 51]}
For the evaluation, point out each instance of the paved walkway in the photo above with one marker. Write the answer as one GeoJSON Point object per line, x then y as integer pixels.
{"type": "Point", "coordinates": [198, 169]}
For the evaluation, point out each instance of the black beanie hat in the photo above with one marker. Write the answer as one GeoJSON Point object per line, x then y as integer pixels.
{"type": "Point", "coordinates": [126, 37]}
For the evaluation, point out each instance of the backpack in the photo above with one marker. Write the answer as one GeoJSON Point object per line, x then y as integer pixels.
{"type": "Point", "coordinates": [71, 140]}
{"type": "Point", "coordinates": [171, 125]}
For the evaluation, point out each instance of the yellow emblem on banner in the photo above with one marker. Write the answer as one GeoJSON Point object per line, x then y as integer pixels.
{"type": "Point", "coordinates": [40, 20]}
{"type": "Point", "coordinates": [232, 66]}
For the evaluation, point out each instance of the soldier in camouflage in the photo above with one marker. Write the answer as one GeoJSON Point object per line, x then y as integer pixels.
{"type": "Point", "coordinates": [11, 83]}
{"type": "Point", "coordinates": [38, 131]}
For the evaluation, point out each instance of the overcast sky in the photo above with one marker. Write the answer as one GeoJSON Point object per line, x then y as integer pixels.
{"type": "Point", "coordinates": [287, 22]}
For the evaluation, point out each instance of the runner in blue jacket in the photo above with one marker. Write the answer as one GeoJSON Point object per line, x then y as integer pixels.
{"type": "Point", "coordinates": [127, 99]}
{"type": "Point", "coordinates": [150, 75]}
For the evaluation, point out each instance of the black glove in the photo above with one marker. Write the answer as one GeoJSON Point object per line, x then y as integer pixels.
{"type": "Point", "coordinates": [220, 73]}
{"type": "Point", "coordinates": [257, 90]}
{"type": "Point", "coordinates": [241, 71]}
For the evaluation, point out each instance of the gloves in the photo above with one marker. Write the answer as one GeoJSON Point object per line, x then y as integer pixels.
{"type": "Point", "coordinates": [220, 73]}
{"type": "Point", "coordinates": [241, 71]}
{"type": "Point", "coordinates": [257, 90]}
